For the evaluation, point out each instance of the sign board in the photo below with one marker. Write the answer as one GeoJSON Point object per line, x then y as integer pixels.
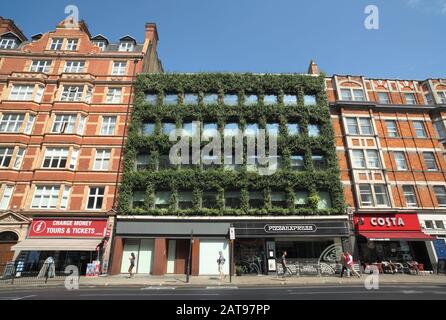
{"type": "Point", "coordinates": [231, 233]}
{"type": "Point", "coordinates": [387, 222]}
{"type": "Point", "coordinates": [290, 228]}
{"type": "Point", "coordinates": [271, 264]}
{"type": "Point", "coordinates": [67, 228]}
{"type": "Point", "coordinates": [440, 248]}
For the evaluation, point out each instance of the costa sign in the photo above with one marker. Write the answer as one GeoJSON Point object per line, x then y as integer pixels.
{"type": "Point", "coordinates": [386, 222]}
{"type": "Point", "coordinates": [68, 228]}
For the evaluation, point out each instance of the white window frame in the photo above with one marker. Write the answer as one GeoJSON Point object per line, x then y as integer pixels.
{"type": "Point", "coordinates": [15, 123]}
{"type": "Point", "coordinates": [114, 95]}
{"type": "Point", "coordinates": [352, 94]}
{"type": "Point", "coordinates": [400, 160]}
{"type": "Point", "coordinates": [65, 198]}
{"type": "Point", "coordinates": [8, 43]}
{"type": "Point", "coordinates": [71, 44]}
{"type": "Point", "coordinates": [442, 195]}
{"type": "Point", "coordinates": [100, 44]}
{"type": "Point", "coordinates": [102, 160]}
{"type": "Point", "coordinates": [43, 66]}
{"type": "Point", "coordinates": [394, 133]}
{"type": "Point", "coordinates": [414, 194]}
{"type": "Point", "coordinates": [56, 44]}
{"type": "Point", "coordinates": [74, 66]}
{"type": "Point", "coordinates": [55, 155]}
{"type": "Point", "coordinates": [20, 155]}
{"type": "Point", "coordinates": [442, 96]}
{"type": "Point", "coordinates": [46, 193]}
{"type": "Point", "coordinates": [126, 46]}
{"type": "Point", "coordinates": [383, 101]}
{"type": "Point", "coordinates": [6, 152]}
{"type": "Point", "coordinates": [119, 68]}
{"type": "Point", "coordinates": [423, 127]}
{"type": "Point", "coordinates": [359, 126]}
{"type": "Point", "coordinates": [22, 92]}
{"type": "Point", "coordinates": [73, 159]}
{"type": "Point", "coordinates": [64, 123]}
{"type": "Point", "coordinates": [412, 100]}
{"type": "Point", "coordinates": [81, 125]}
{"type": "Point", "coordinates": [95, 196]}
{"type": "Point", "coordinates": [431, 160]}
{"type": "Point", "coordinates": [6, 197]}
{"type": "Point", "coordinates": [72, 93]}
{"type": "Point", "coordinates": [108, 125]}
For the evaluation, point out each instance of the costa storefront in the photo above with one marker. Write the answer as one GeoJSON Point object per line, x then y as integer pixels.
{"type": "Point", "coordinates": [391, 237]}
{"type": "Point", "coordinates": [69, 241]}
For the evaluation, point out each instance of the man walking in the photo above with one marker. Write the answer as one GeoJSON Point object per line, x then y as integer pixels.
{"type": "Point", "coordinates": [284, 265]}
{"type": "Point", "coordinates": [221, 261]}
{"type": "Point", "coordinates": [347, 264]}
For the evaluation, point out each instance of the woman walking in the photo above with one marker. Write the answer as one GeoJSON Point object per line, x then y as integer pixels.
{"type": "Point", "coordinates": [132, 264]}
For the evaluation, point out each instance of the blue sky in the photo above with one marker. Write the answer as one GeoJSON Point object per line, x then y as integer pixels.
{"type": "Point", "coordinates": [266, 36]}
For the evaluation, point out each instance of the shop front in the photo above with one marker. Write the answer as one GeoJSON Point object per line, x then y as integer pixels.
{"type": "Point", "coordinates": [435, 226]}
{"type": "Point", "coordinates": [169, 246]}
{"type": "Point", "coordinates": [394, 238]}
{"type": "Point", "coordinates": [64, 241]}
{"type": "Point", "coordinates": [313, 246]}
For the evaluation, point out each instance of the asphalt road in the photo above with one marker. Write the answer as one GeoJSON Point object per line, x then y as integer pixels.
{"type": "Point", "coordinates": [353, 292]}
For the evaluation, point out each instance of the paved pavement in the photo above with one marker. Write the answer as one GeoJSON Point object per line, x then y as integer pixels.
{"type": "Point", "coordinates": [234, 293]}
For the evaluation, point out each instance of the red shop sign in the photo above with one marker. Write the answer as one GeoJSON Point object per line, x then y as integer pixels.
{"type": "Point", "coordinates": [68, 228]}
{"type": "Point", "coordinates": [387, 222]}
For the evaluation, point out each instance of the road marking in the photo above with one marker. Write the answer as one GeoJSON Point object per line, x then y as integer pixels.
{"type": "Point", "coordinates": [411, 292]}
{"type": "Point", "coordinates": [149, 294]}
{"type": "Point", "coordinates": [222, 287]}
{"type": "Point", "coordinates": [158, 288]}
{"type": "Point", "coordinates": [25, 297]}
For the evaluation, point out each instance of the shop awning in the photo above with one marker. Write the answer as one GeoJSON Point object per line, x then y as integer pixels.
{"type": "Point", "coordinates": [396, 235]}
{"type": "Point", "coordinates": [56, 245]}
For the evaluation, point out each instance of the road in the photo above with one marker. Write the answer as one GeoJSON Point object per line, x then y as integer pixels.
{"type": "Point", "coordinates": [344, 292]}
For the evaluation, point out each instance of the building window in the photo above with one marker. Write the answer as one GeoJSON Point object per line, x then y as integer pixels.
{"type": "Point", "coordinates": [151, 99]}
{"type": "Point", "coordinates": [290, 100]}
{"type": "Point", "coordinates": [429, 161]}
{"type": "Point", "coordinates": [272, 129]}
{"type": "Point", "coordinates": [19, 158]}
{"type": "Point", "coordinates": [5, 156]}
{"type": "Point", "coordinates": [383, 97]}
{"type": "Point", "coordinates": [252, 129]}
{"type": "Point", "coordinates": [171, 99]}
{"type": "Point", "coordinates": [95, 198]}
{"type": "Point", "coordinates": [102, 159]}
{"type": "Point", "coordinates": [138, 199]}
{"type": "Point", "coordinates": [168, 127]}
{"type": "Point", "coordinates": [324, 200]}
{"type": "Point", "coordinates": [65, 197]}
{"type": "Point", "coordinates": [429, 99]}
{"type": "Point", "coordinates": [359, 126]}
{"type": "Point", "coordinates": [440, 193]}
{"type": "Point", "coordinates": [108, 125]}
{"type": "Point", "coordinates": [439, 224]}
{"type": "Point", "coordinates": [369, 157]}
{"type": "Point", "coordinates": [256, 200]}
{"type": "Point", "coordinates": [40, 66]}
{"type": "Point", "coordinates": [7, 194]}
{"type": "Point", "coordinates": [278, 199]}
{"type": "Point", "coordinates": [392, 129]}
{"type": "Point", "coordinates": [250, 100]}
{"type": "Point", "coordinates": [210, 99]}
{"type": "Point", "coordinates": [300, 198]}
{"type": "Point", "coordinates": [310, 100]}
{"type": "Point", "coordinates": [56, 44]}
{"type": "Point", "coordinates": [189, 129]}
{"type": "Point", "coordinates": [55, 158]}
{"type": "Point", "coordinates": [410, 98]}
{"type": "Point", "coordinates": [190, 99]}
{"type": "Point", "coordinates": [71, 44]}
{"type": "Point", "coordinates": [119, 68]}
{"type": "Point", "coordinates": [420, 131]}
{"type": "Point", "coordinates": [45, 197]}
{"type": "Point", "coordinates": [314, 130]}
{"type": "Point", "coordinates": [126, 46]}
{"type": "Point", "coordinates": [293, 129]}
{"type": "Point", "coordinates": [373, 159]}
{"type": "Point", "coordinates": [442, 96]}
{"type": "Point", "coordinates": [11, 122]}
{"type": "Point", "coordinates": [381, 195]}
{"type": "Point", "coordinates": [210, 130]}
{"type": "Point", "coordinates": [22, 92]}
{"type": "Point", "coordinates": [269, 99]}
{"type": "Point", "coordinates": [164, 162]}
{"type": "Point", "coordinates": [409, 195]}
{"type": "Point", "coordinates": [400, 160]}
{"type": "Point", "coordinates": [142, 162]}
{"type": "Point", "coordinates": [366, 197]}
{"type": "Point", "coordinates": [429, 224]}
{"type": "Point", "coordinates": [72, 93]}
{"type": "Point", "coordinates": [439, 127]}
{"type": "Point", "coordinates": [29, 124]}
{"type": "Point", "coordinates": [73, 159]}
{"type": "Point", "coordinates": [148, 128]}
{"type": "Point", "coordinates": [352, 95]}
{"type": "Point", "coordinates": [297, 162]}
{"type": "Point", "coordinates": [358, 159]}
{"type": "Point", "coordinates": [114, 95]}
{"type": "Point", "coordinates": [162, 199]}
{"type": "Point", "coordinates": [64, 123]}
{"type": "Point", "coordinates": [100, 44]}
{"type": "Point", "coordinates": [318, 162]}
{"type": "Point", "coordinates": [185, 200]}
{"type": "Point", "coordinates": [209, 200]}
{"type": "Point", "coordinates": [232, 199]}
{"type": "Point", "coordinates": [8, 43]}
{"type": "Point", "coordinates": [352, 125]}
{"type": "Point", "coordinates": [74, 66]}
{"type": "Point", "coordinates": [231, 100]}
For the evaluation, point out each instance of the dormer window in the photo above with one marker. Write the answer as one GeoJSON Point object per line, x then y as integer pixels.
{"type": "Point", "coordinates": [352, 94]}
{"type": "Point", "coordinates": [71, 44]}
{"type": "Point", "coordinates": [100, 44]}
{"type": "Point", "coordinates": [8, 43]}
{"type": "Point", "coordinates": [126, 46]}
{"type": "Point", "coordinates": [56, 44]}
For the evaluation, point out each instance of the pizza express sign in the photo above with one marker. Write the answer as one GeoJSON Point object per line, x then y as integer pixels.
{"type": "Point", "coordinates": [290, 228]}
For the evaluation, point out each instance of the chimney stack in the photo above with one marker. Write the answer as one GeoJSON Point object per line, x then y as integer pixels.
{"type": "Point", "coordinates": [313, 68]}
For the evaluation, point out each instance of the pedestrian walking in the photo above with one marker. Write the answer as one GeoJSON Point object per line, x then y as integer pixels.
{"type": "Point", "coordinates": [347, 264]}
{"type": "Point", "coordinates": [284, 265]}
{"type": "Point", "coordinates": [132, 259]}
{"type": "Point", "coordinates": [220, 262]}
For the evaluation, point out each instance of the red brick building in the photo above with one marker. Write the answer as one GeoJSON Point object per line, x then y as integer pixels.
{"type": "Point", "coordinates": [65, 97]}
{"type": "Point", "coordinates": [389, 136]}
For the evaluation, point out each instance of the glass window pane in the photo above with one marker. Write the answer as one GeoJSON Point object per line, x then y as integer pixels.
{"type": "Point", "coordinates": [310, 100]}
{"type": "Point", "coordinates": [290, 100]}
{"type": "Point", "coordinates": [151, 99]}
{"type": "Point", "coordinates": [270, 99]}
{"type": "Point", "coordinates": [171, 99]}
{"type": "Point", "coordinates": [324, 200]}
{"type": "Point", "coordinates": [231, 99]}
{"type": "Point", "coordinates": [314, 130]}
{"type": "Point", "coordinates": [210, 99]}
{"type": "Point", "coordinates": [191, 99]}
{"type": "Point", "coordinates": [293, 129]}
{"type": "Point", "coordinates": [148, 128]}
{"type": "Point", "coordinates": [250, 100]}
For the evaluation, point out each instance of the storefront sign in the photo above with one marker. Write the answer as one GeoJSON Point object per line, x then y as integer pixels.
{"type": "Point", "coordinates": [68, 228]}
{"type": "Point", "coordinates": [387, 222]}
{"type": "Point", "coordinates": [290, 228]}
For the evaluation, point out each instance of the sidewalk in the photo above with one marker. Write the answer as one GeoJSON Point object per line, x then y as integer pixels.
{"type": "Point", "coordinates": [200, 281]}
